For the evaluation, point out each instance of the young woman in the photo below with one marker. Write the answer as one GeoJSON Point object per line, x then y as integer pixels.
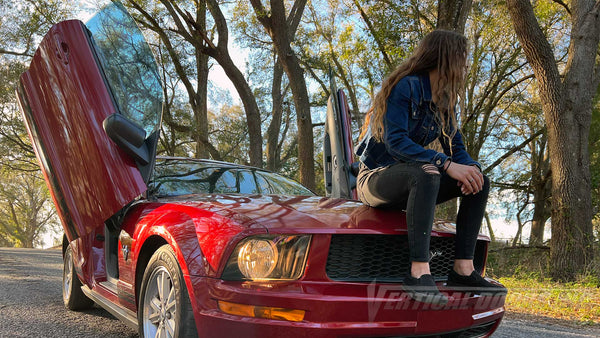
{"type": "Point", "coordinates": [415, 106]}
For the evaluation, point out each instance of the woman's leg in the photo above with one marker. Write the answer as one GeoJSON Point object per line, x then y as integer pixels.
{"type": "Point", "coordinates": [468, 221]}
{"type": "Point", "coordinates": [412, 187]}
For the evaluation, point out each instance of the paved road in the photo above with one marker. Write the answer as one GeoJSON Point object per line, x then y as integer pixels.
{"type": "Point", "coordinates": [31, 300]}
{"type": "Point", "coordinates": [31, 305]}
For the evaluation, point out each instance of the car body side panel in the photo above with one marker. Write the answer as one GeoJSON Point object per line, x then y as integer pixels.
{"type": "Point", "coordinates": [200, 239]}
{"type": "Point", "coordinates": [90, 178]}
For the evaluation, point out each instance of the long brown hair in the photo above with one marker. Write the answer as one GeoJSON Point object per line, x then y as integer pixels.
{"type": "Point", "coordinates": [443, 50]}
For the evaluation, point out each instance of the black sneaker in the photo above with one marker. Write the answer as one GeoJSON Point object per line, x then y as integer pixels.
{"type": "Point", "coordinates": [424, 290]}
{"type": "Point", "coordinates": [474, 282]}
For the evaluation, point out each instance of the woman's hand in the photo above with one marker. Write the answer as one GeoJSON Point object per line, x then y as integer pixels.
{"type": "Point", "coordinates": [470, 179]}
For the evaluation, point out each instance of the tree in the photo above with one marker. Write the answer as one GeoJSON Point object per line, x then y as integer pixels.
{"type": "Point", "coordinates": [282, 28]}
{"type": "Point", "coordinates": [567, 106]}
{"type": "Point", "coordinates": [453, 14]}
{"type": "Point", "coordinates": [26, 211]}
{"type": "Point", "coordinates": [271, 86]}
{"type": "Point", "coordinates": [193, 30]}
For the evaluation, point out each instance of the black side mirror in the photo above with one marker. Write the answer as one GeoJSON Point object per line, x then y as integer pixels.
{"type": "Point", "coordinates": [128, 136]}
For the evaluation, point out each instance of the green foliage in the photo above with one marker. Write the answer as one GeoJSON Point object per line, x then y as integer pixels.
{"type": "Point", "coordinates": [26, 210]}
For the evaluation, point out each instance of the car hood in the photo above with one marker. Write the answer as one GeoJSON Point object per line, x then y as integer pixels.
{"type": "Point", "coordinates": [303, 214]}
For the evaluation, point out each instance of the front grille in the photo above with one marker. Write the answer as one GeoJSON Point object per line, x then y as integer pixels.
{"type": "Point", "coordinates": [363, 258]}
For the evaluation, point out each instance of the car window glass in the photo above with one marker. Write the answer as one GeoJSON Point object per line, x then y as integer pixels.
{"type": "Point", "coordinates": [264, 185]}
{"type": "Point", "coordinates": [181, 177]}
{"type": "Point", "coordinates": [247, 182]}
{"type": "Point", "coordinates": [283, 186]}
{"type": "Point", "coordinates": [227, 182]}
{"type": "Point", "coordinates": [128, 65]}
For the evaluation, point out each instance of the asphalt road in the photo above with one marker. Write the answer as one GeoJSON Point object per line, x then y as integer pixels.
{"type": "Point", "coordinates": [31, 305]}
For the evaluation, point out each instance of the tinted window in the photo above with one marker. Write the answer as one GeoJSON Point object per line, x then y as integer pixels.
{"type": "Point", "coordinates": [128, 65]}
{"type": "Point", "coordinates": [178, 177]}
{"type": "Point", "coordinates": [279, 185]}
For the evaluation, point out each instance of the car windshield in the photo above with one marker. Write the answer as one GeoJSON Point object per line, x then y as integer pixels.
{"type": "Point", "coordinates": [181, 177]}
{"type": "Point", "coordinates": [128, 66]}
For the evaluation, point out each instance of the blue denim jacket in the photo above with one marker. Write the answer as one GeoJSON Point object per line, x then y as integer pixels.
{"type": "Point", "coordinates": [409, 126]}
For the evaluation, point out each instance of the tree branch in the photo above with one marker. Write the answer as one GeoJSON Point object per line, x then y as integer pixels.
{"type": "Point", "coordinates": [293, 19]}
{"type": "Point", "coordinates": [262, 14]}
{"type": "Point", "coordinates": [10, 52]}
{"type": "Point", "coordinates": [179, 69]}
{"type": "Point", "coordinates": [220, 22]}
{"type": "Point", "coordinates": [182, 29]}
{"type": "Point", "coordinates": [560, 2]}
{"type": "Point", "coordinates": [513, 186]}
{"type": "Point", "coordinates": [513, 150]}
{"type": "Point", "coordinates": [379, 43]}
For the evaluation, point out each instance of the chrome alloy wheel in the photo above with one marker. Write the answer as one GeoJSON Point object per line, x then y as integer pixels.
{"type": "Point", "coordinates": [67, 275]}
{"type": "Point", "coordinates": [159, 305]}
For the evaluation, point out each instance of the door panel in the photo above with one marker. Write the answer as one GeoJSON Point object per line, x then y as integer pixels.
{"type": "Point", "coordinates": [64, 99]}
{"type": "Point", "coordinates": [340, 182]}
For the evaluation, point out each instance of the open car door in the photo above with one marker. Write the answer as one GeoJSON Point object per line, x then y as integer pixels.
{"type": "Point", "coordinates": [338, 158]}
{"type": "Point", "coordinates": [92, 102]}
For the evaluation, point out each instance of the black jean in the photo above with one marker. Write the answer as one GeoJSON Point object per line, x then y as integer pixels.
{"type": "Point", "coordinates": [417, 188]}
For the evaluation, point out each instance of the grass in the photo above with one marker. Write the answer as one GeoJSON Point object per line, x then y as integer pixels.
{"type": "Point", "coordinates": [576, 302]}
{"type": "Point", "coordinates": [525, 272]}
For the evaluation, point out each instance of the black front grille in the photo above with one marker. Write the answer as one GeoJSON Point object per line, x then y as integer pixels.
{"type": "Point", "coordinates": [363, 258]}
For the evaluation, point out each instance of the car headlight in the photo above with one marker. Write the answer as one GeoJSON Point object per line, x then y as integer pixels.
{"type": "Point", "coordinates": [268, 257]}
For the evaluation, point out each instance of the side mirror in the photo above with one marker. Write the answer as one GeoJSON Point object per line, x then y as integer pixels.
{"type": "Point", "coordinates": [128, 136]}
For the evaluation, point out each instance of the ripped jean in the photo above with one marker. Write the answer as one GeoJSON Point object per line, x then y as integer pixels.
{"type": "Point", "coordinates": [417, 188]}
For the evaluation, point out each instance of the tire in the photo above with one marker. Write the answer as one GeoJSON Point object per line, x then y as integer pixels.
{"type": "Point", "coordinates": [165, 311]}
{"type": "Point", "coordinates": [73, 296]}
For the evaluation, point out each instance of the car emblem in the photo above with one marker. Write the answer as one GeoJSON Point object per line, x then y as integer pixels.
{"type": "Point", "coordinates": [126, 242]}
{"type": "Point", "coordinates": [435, 253]}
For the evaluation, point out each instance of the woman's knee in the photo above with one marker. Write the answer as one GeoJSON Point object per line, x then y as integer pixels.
{"type": "Point", "coordinates": [429, 174]}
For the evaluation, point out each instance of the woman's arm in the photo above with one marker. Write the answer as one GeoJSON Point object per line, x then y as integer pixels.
{"type": "Point", "coordinates": [396, 137]}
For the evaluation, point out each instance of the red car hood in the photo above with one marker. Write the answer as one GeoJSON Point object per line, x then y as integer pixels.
{"type": "Point", "coordinates": [303, 214]}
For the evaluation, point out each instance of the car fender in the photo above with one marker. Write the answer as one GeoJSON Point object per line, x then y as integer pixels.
{"type": "Point", "coordinates": [199, 237]}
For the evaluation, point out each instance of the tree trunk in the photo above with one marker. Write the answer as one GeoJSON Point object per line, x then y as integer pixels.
{"type": "Point", "coordinates": [281, 30]}
{"type": "Point", "coordinates": [221, 54]}
{"type": "Point", "coordinates": [453, 14]}
{"type": "Point", "coordinates": [276, 114]}
{"type": "Point", "coordinates": [542, 191]}
{"type": "Point", "coordinates": [488, 222]}
{"type": "Point", "coordinates": [200, 131]}
{"type": "Point", "coordinates": [249, 102]}
{"type": "Point", "coordinates": [567, 111]}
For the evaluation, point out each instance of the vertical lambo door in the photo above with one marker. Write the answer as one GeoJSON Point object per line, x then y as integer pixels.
{"type": "Point", "coordinates": [92, 101]}
{"type": "Point", "coordinates": [339, 169]}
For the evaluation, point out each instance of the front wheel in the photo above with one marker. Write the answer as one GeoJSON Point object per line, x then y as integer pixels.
{"type": "Point", "coordinates": [73, 296]}
{"type": "Point", "coordinates": [164, 308]}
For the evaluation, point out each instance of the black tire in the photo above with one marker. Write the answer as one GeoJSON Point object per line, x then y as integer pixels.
{"type": "Point", "coordinates": [73, 296]}
{"type": "Point", "coordinates": [154, 314]}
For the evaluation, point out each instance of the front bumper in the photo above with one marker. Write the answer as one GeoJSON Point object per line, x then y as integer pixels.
{"type": "Point", "coordinates": [337, 309]}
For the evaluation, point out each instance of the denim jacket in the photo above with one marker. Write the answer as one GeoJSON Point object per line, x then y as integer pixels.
{"type": "Point", "coordinates": [409, 126]}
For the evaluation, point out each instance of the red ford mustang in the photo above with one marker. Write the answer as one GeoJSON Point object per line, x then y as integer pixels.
{"type": "Point", "coordinates": [180, 247]}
